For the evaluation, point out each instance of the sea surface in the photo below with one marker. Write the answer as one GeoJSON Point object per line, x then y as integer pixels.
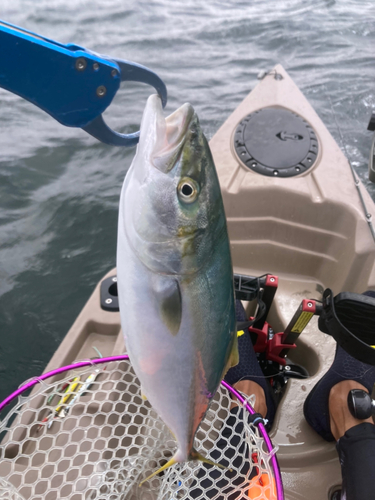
{"type": "Point", "coordinates": [59, 187]}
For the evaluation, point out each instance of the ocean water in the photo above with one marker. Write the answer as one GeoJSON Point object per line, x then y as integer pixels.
{"type": "Point", "coordinates": [59, 187]}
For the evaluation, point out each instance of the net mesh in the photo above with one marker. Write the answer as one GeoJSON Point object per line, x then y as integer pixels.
{"type": "Point", "coordinates": [103, 439]}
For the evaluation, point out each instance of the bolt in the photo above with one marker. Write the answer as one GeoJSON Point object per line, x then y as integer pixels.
{"type": "Point", "coordinates": [101, 91]}
{"type": "Point", "coordinates": [272, 280]}
{"type": "Point", "coordinates": [114, 279]}
{"type": "Point", "coordinates": [95, 66]}
{"type": "Point", "coordinates": [309, 304]}
{"type": "Point", "coordinates": [287, 368]}
{"type": "Point", "coordinates": [81, 64]}
{"type": "Point", "coordinates": [114, 72]}
{"type": "Point", "coordinates": [108, 301]}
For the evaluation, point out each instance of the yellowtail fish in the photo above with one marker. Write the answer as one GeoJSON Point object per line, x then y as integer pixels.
{"type": "Point", "coordinates": [174, 272]}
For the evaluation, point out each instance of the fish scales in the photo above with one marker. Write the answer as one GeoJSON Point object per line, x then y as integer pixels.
{"type": "Point", "coordinates": [174, 272]}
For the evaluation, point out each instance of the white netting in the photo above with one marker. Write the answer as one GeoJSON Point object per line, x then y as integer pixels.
{"type": "Point", "coordinates": [109, 439]}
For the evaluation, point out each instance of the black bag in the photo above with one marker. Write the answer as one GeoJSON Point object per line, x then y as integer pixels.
{"type": "Point", "coordinates": [350, 319]}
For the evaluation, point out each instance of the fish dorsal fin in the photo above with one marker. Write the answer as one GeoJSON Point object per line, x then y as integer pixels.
{"type": "Point", "coordinates": [234, 358]}
{"type": "Point", "coordinates": [234, 355]}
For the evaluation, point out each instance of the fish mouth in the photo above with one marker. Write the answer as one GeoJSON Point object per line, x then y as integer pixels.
{"type": "Point", "coordinates": [165, 137]}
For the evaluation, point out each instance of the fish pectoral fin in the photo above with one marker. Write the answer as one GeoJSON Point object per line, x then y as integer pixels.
{"type": "Point", "coordinates": [167, 294]}
{"type": "Point", "coordinates": [171, 462]}
{"type": "Point", "coordinates": [195, 455]}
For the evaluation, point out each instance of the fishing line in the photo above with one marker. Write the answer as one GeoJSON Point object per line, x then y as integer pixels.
{"type": "Point", "coordinates": [368, 216]}
{"type": "Point", "coordinates": [272, 376]}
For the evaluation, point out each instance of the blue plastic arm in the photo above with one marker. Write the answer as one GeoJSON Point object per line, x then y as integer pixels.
{"type": "Point", "coordinates": [72, 84]}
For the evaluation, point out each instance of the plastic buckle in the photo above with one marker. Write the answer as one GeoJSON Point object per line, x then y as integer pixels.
{"type": "Point", "coordinates": [275, 346]}
{"type": "Point", "coordinates": [261, 337]}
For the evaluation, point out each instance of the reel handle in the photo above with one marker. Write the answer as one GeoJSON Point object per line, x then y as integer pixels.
{"type": "Point", "coordinates": [360, 404]}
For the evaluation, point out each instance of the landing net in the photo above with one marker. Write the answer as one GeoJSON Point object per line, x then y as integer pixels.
{"type": "Point", "coordinates": [85, 433]}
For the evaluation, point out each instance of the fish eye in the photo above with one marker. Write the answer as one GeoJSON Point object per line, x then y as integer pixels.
{"type": "Point", "coordinates": [188, 190]}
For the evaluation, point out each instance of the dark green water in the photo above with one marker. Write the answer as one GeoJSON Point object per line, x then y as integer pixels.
{"type": "Point", "coordinates": [59, 188]}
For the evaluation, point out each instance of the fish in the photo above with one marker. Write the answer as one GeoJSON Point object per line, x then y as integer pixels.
{"type": "Point", "coordinates": [174, 273]}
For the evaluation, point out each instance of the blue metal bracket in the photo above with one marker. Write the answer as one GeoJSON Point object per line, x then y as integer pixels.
{"type": "Point", "coordinates": [72, 84]}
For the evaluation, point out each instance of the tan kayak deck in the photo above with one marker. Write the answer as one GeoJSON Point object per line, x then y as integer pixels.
{"type": "Point", "coordinates": [309, 230]}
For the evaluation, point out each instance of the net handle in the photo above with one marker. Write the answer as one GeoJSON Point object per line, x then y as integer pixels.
{"type": "Point", "coordinates": [125, 357]}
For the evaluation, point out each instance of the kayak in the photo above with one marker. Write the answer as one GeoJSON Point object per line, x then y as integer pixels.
{"type": "Point", "coordinates": [293, 211]}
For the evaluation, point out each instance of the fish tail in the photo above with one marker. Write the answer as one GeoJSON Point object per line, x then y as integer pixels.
{"type": "Point", "coordinates": [171, 462]}
{"type": "Point", "coordinates": [195, 455]}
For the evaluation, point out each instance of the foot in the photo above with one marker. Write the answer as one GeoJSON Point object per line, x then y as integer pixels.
{"type": "Point", "coordinates": [341, 420]}
{"type": "Point", "coordinates": [327, 394]}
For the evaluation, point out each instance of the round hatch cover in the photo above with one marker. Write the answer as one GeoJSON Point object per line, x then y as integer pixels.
{"type": "Point", "coordinates": [276, 142]}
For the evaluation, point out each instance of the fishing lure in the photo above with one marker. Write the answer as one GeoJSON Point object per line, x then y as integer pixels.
{"type": "Point", "coordinates": [72, 391]}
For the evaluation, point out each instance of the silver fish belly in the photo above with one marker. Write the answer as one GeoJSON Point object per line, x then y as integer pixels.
{"type": "Point", "coordinates": [174, 272]}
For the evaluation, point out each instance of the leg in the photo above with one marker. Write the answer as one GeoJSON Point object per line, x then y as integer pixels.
{"type": "Point", "coordinates": [248, 377]}
{"type": "Point", "coordinates": [327, 412]}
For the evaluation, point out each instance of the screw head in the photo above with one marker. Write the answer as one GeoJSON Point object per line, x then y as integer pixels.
{"type": "Point", "coordinates": [309, 304]}
{"type": "Point", "coordinates": [272, 280]}
{"type": "Point", "coordinates": [114, 279]}
{"type": "Point", "coordinates": [108, 301]}
{"type": "Point", "coordinates": [95, 66]}
{"type": "Point", "coordinates": [81, 64]}
{"type": "Point", "coordinates": [114, 72]}
{"type": "Point", "coordinates": [287, 368]}
{"type": "Point", "coordinates": [101, 91]}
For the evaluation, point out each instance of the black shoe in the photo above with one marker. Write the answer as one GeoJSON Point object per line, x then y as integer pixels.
{"type": "Point", "coordinates": [344, 367]}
